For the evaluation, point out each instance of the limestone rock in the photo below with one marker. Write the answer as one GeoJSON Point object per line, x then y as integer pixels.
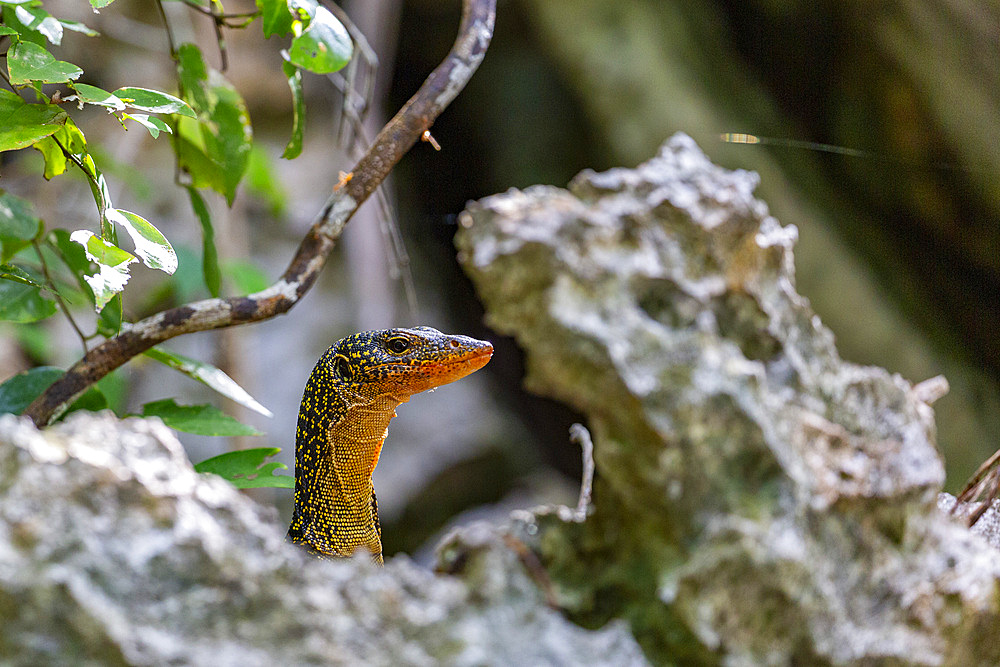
{"type": "Point", "coordinates": [114, 551]}
{"type": "Point", "coordinates": [759, 500]}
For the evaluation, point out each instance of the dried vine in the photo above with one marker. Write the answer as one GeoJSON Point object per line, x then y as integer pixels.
{"type": "Point", "coordinates": [395, 139]}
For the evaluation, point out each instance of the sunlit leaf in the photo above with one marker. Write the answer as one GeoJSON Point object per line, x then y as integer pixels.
{"type": "Point", "coordinates": [198, 419]}
{"type": "Point", "coordinates": [68, 137]}
{"type": "Point", "coordinates": [38, 19]}
{"type": "Point", "coordinates": [209, 375]}
{"type": "Point", "coordinates": [28, 62]}
{"type": "Point", "coordinates": [209, 255]}
{"type": "Point", "coordinates": [18, 225]}
{"type": "Point", "coordinates": [324, 47]}
{"type": "Point", "coordinates": [151, 123]}
{"type": "Point", "coordinates": [112, 263]}
{"type": "Point", "coordinates": [74, 256]}
{"type": "Point", "coordinates": [76, 26]}
{"type": "Point", "coordinates": [109, 320]}
{"type": "Point", "coordinates": [246, 469]}
{"type": "Point", "coordinates": [22, 124]}
{"type": "Point", "coordinates": [53, 155]}
{"type": "Point", "coordinates": [150, 245]}
{"type": "Point", "coordinates": [71, 137]}
{"type": "Point", "coordinates": [153, 101]}
{"type": "Point", "coordinates": [275, 17]}
{"type": "Point", "coordinates": [98, 4]}
{"type": "Point", "coordinates": [86, 94]}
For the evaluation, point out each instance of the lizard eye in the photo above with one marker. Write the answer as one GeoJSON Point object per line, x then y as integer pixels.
{"type": "Point", "coordinates": [343, 366]}
{"type": "Point", "coordinates": [398, 345]}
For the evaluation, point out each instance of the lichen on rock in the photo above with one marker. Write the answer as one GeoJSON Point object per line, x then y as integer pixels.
{"type": "Point", "coordinates": [759, 500]}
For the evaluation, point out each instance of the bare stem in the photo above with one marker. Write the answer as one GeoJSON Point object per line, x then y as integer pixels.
{"type": "Point", "coordinates": [395, 139]}
{"type": "Point", "coordinates": [59, 300]}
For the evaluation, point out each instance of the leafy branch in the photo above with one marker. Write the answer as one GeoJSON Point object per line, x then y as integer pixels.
{"type": "Point", "coordinates": [394, 140]}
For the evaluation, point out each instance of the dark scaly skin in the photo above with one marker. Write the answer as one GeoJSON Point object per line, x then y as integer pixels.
{"type": "Point", "coordinates": [348, 401]}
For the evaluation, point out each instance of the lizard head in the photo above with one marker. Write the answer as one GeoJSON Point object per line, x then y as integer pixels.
{"type": "Point", "coordinates": [403, 362]}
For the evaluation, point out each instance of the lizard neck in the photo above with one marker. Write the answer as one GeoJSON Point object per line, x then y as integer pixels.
{"type": "Point", "coordinates": [356, 443]}
{"type": "Point", "coordinates": [338, 442]}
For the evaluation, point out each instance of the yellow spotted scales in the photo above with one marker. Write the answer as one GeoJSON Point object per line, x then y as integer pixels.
{"type": "Point", "coordinates": [349, 399]}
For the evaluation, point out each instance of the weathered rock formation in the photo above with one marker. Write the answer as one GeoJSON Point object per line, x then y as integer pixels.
{"type": "Point", "coordinates": [114, 551]}
{"type": "Point", "coordinates": [759, 500]}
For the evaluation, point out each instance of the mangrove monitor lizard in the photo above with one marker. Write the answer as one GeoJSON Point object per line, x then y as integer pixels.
{"type": "Point", "coordinates": [348, 401]}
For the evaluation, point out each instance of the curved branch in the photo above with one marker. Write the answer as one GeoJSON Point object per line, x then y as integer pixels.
{"type": "Point", "coordinates": [395, 139]}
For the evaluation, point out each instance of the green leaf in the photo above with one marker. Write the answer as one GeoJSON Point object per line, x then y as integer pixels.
{"type": "Point", "coordinates": [115, 388]}
{"type": "Point", "coordinates": [22, 124]}
{"type": "Point", "coordinates": [209, 375]}
{"type": "Point", "coordinates": [92, 399]}
{"type": "Point", "coordinates": [18, 225]}
{"type": "Point", "coordinates": [294, 76]}
{"type": "Point", "coordinates": [154, 125]}
{"type": "Point", "coordinates": [209, 255]}
{"type": "Point", "coordinates": [264, 182]}
{"type": "Point", "coordinates": [153, 101]}
{"type": "Point", "coordinates": [68, 136]}
{"type": "Point", "coordinates": [20, 390]}
{"type": "Point", "coordinates": [109, 320]}
{"type": "Point", "coordinates": [87, 94]}
{"type": "Point", "coordinates": [5, 30]}
{"type": "Point", "coordinates": [54, 157]}
{"type": "Point", "coordinates": [23, 303]}
{"type": "Point", "coordinates": [193, 156]}
{"type": "Point", "coordinates": [246, 469]}
{"type": "Point", "coordinates": [16, 274]}
{"type": "Point", "coordinates": [197, 419]}
{"type": "Point", "coordinates": [27, 62]}
{"type": "Point", "coordinates": [112, 264]}
{"type": "Point", "coordinates": [216, 155]}
{"type": "Point", "coordinates": [150, 245]}
{"type": "Point", "coordinates": [36, 18]}
{"type": "Point", "coordinates": [71, 137]}
{"type": "Point", "coordinates": [74, 256]}
{"type": "Point", "coordinates": [99, 4]}
{"type": "Point", "coordinates": [246, 276]}
{"type": "Point", "coordinates": [324, 47]}
{"type": "Point", "coordinates": [276, 18]}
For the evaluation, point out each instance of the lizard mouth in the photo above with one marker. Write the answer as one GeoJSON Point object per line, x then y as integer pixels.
{"type": "Point", "coordinates": [457, 365]}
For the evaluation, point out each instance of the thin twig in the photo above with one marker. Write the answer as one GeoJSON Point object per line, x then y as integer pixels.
{"type": "Point", "coordinates": [219, 37]}
{"type": "Point", "coordinates": [220, 16]}
{"type": "Point", "coordinates": [59, 300]}
{"type": "Point", "coordinates": [166, 28]}
{"type": "Point", "coordinates": [395, 139]}
{"type": "Point", "coordinates": [579, 434]}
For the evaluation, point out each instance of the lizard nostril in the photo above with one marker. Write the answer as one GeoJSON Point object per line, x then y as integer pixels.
{"type": "Point", "coordinates": [453, 343]}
